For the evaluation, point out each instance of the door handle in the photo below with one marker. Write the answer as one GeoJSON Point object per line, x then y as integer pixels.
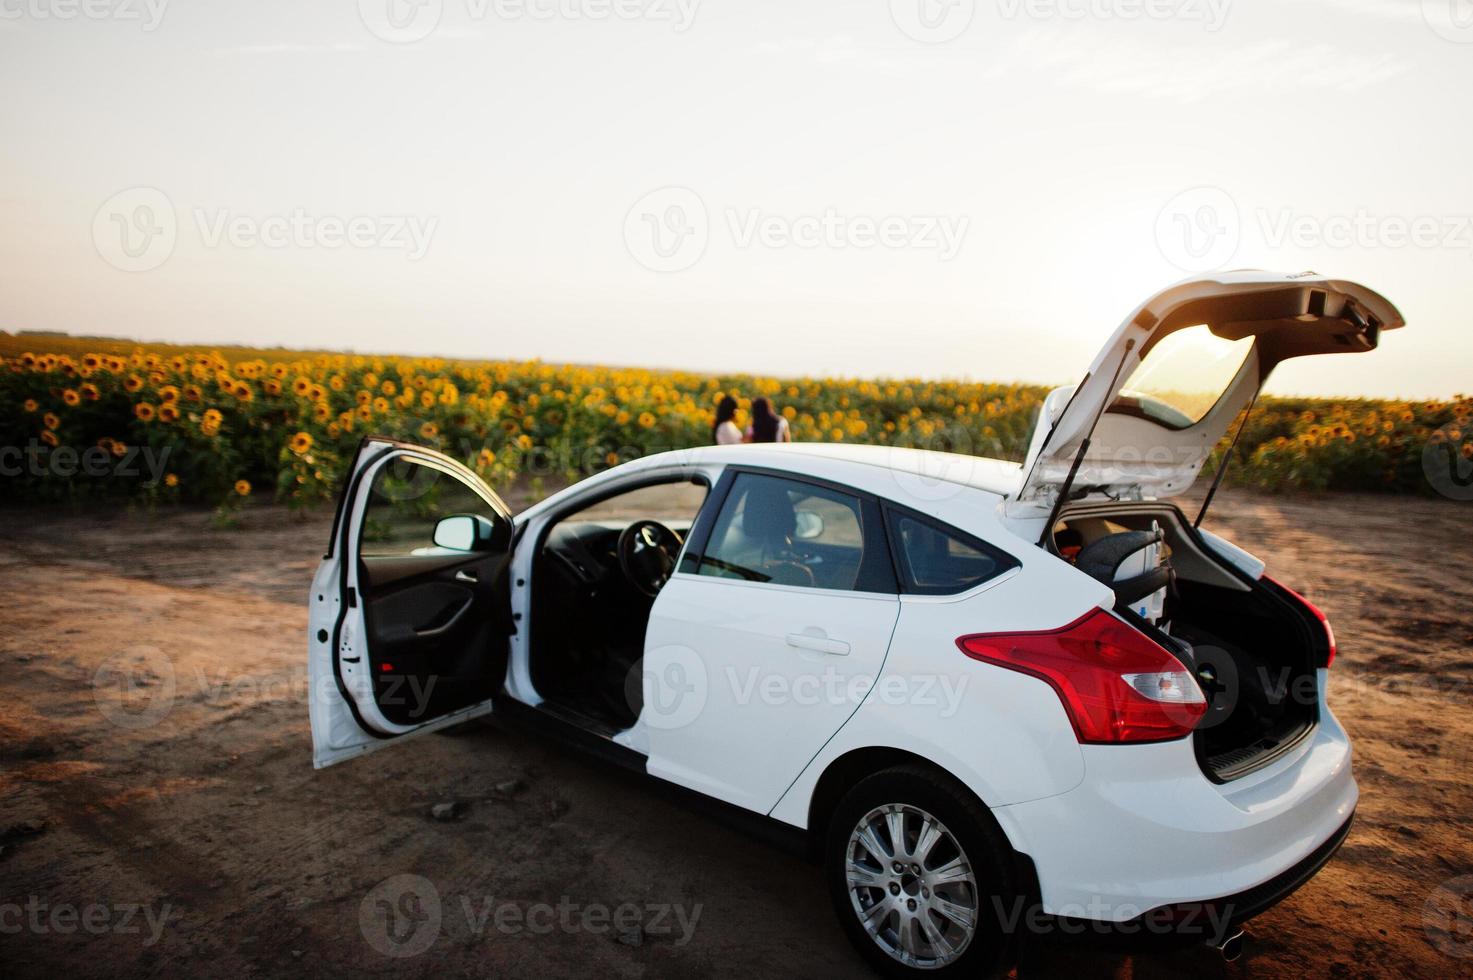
{"type": "Point", "coordinates": [822, 644]}
{"type": "Point", "coordinates": [466, 575]}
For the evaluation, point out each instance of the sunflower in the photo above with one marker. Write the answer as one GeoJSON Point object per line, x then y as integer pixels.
{"type": "Point", "coordinates": [243, 488]}
{"type": "Point", "coordinates": [49, 437]}
{"type": "Point", "coordinates": [31, 405]}
{"type": "Point", "coordinates": [119, 449]}
{"type": "Point", "coordinates": [171, 479]}
{"type": "Point", "coordinates": [90, 392]}
{"type": "Point", "coordinates": [485, 458]}
{"type": "Point", "coordinates": [71, 397]}
{"type": "Point", "coordinates": [193, 393]}
{"type": "Point", "coordinates": [301, 442]}
{"type": "Point", "coordinates": [132, 382]}
{"type": "Point", "coordinates": [168, 412]}
{"type": "Point", "coordinates": [50, 420]}
{"type": "Point", "coordinates": [144, 411]}
{"type": "Point", "coordinates": [429, 430]}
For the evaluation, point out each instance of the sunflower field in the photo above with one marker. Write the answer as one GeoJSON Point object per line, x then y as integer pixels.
{"type": "Point", "coordinates": [216, 426]}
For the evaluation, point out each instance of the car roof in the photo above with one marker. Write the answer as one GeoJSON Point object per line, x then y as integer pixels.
{"type": "Point", "coordinates": [992, 475]}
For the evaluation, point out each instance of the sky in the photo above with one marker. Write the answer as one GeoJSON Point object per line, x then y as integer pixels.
{"type": "Point", "coordinates": [976, 189]}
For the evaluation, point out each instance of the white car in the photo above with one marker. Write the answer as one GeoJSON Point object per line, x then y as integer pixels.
{"type": "Point", "coordinates": [994, 698]}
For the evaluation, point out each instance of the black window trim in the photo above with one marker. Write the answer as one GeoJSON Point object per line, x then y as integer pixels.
{"type": "Point", "coordinates": [894, 512]}
{"type": "Point", "coordinates": [877, 571]}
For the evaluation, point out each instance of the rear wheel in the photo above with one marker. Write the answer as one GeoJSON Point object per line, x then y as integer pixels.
{"type": "Point", "coordinates": [920, 876]}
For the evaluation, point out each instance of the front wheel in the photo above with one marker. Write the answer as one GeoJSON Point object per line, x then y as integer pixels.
{"type": "Point", "coordinates": [920, 876]}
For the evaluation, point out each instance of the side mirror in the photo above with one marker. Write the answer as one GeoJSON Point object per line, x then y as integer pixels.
{"type": "Point", "coordinates": [464, 532]}
{"type": "Point", "coordinates": [808, 525]}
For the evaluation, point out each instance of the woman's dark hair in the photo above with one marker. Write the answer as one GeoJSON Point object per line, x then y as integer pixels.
{"type": "Point", "coordinates": [725, 412]}
{"type": "Point", "coordinates": [764, 421]}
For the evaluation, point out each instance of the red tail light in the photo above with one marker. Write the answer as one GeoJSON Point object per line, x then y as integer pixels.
{"type": "Point", "coordinates": [1313, 610]}
{"type": "Point", "coordinates": [1117, 685]}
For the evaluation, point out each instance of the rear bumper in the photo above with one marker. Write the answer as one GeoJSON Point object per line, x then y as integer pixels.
{"type": "Point", "coordinates": [1146, 832]}
{"type": "Point", "coordinates": [1211, 921]}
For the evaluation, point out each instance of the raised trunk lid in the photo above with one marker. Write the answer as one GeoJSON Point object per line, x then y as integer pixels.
{"type": "Point", "coordinates": [1180, 369]}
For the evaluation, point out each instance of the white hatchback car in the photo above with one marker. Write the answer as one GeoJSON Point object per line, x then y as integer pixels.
{"type": "Point", "coordinates": [995, 699]}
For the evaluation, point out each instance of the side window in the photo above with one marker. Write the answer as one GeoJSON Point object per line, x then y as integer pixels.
{"type": "Point", "coordinates": [938, 560]}
{"type": "Point", "coordinates": [405, 502]}
{"type": "Point", "coordinates": [788, 533]}
{"type": "Point", "coordinates": [675, 503]}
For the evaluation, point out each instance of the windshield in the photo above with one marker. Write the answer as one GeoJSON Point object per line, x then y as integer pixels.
{"type": "Point", "coordinates": [1182, 377]}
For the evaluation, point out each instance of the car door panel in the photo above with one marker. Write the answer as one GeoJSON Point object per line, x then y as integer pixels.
{"type": "Point", "coordinates": [746, 681]}
{"type": "Point", "coordinates": [749, 666]}
{"type": "Point", "coordinates": [406, 636]}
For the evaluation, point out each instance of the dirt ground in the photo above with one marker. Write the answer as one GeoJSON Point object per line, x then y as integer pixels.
{"type": "Point", "coordinates": [179, 828]}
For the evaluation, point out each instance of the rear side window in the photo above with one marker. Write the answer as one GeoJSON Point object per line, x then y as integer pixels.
{"type": "Point", "coordinates": [792, 532]}
{"type": "Point", "coordinates": [934, 559]}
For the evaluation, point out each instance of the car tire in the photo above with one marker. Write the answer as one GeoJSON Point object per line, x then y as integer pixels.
{"type": "Point", "coordinates": [905, 910]}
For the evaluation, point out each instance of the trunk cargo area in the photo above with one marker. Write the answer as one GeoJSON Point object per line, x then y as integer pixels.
{"type": "Point", "coordinates": [1253, 648]}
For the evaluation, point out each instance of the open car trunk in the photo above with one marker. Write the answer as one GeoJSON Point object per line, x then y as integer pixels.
{"type": "Point", "coordinates": [1253, 646]}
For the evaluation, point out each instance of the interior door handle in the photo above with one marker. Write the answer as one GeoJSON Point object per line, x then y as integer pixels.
{"type": "Point", "coordinates": [466, 575]}
{"type": "Point", "coordinates": [822, 644]}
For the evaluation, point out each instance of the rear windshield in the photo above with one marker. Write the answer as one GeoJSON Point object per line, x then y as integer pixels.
{"type": "Point", "coordinates": [1182, 377]}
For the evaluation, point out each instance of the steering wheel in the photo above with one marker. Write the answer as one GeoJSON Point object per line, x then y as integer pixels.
{"type": "Point", "coordinates": [647, 552]}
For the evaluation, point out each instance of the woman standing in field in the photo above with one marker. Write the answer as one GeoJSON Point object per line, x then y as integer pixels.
{"type": "Point", "coordinates": [767, 425]}
{"type": "Point", "coordinates": [724, 431]}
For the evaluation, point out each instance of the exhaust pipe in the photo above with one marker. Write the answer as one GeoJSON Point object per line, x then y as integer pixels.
{"type": "Point", "coordinates": [1229, 945]}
